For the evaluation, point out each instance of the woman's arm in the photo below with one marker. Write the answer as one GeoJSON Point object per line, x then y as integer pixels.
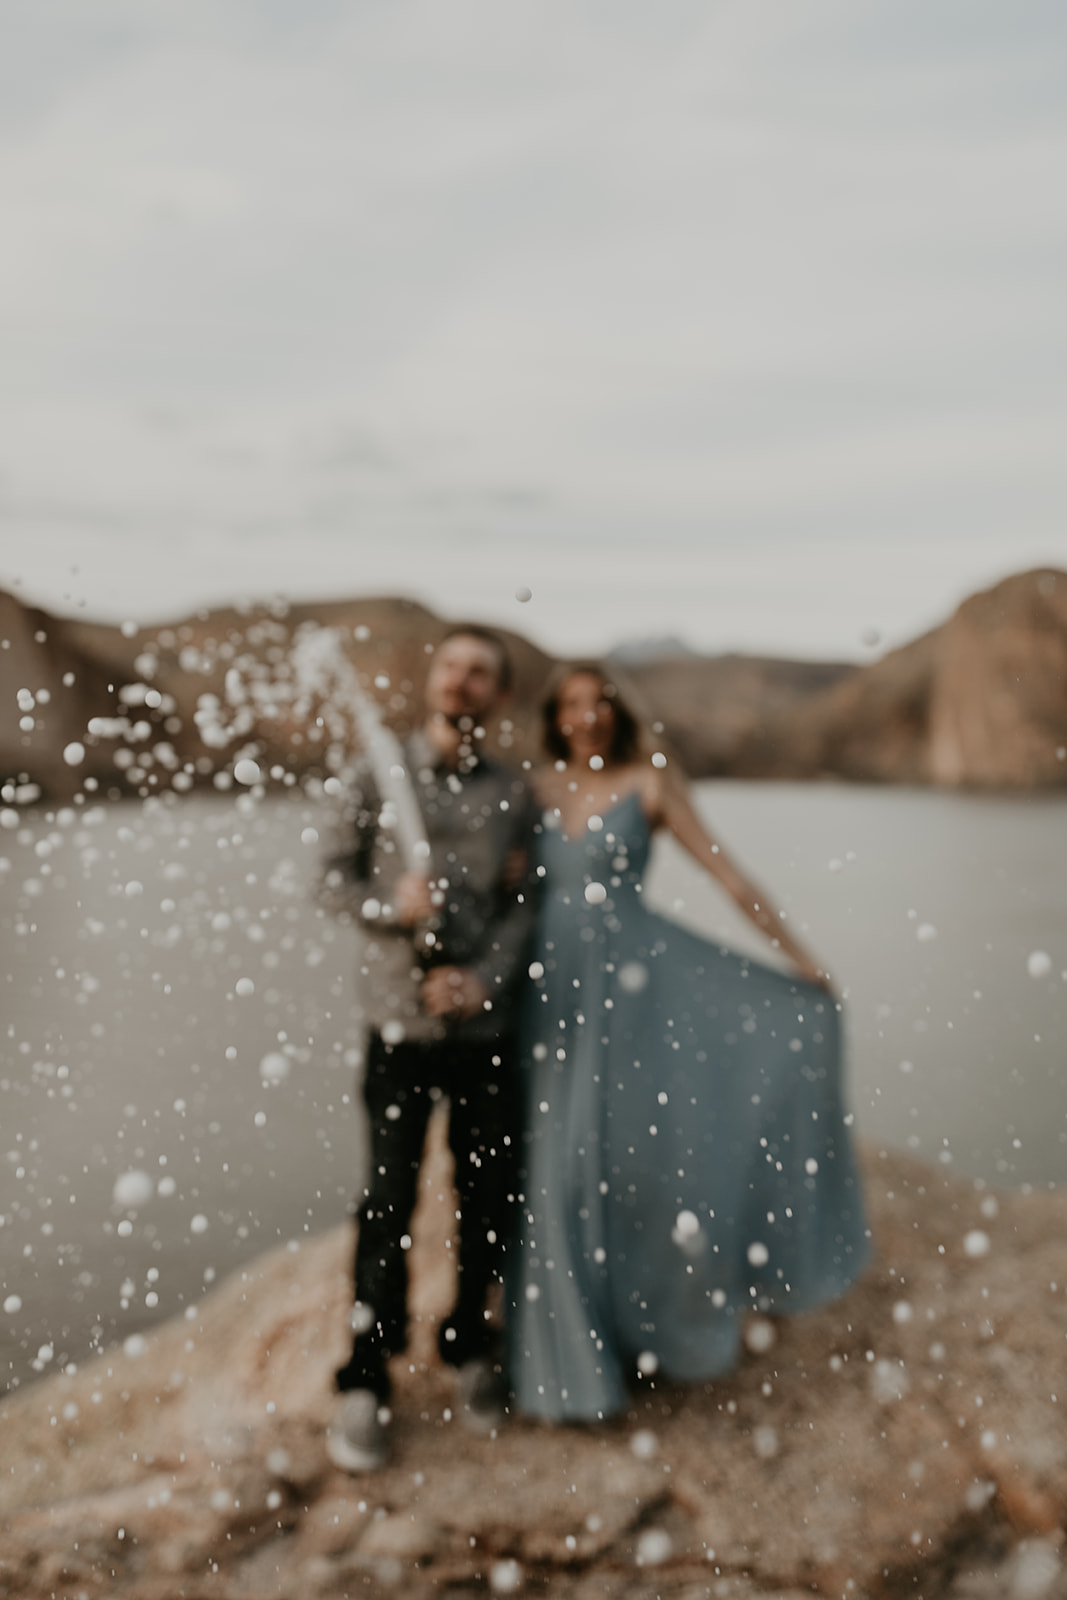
{"type": "Point", "coordinates": [676, 812]}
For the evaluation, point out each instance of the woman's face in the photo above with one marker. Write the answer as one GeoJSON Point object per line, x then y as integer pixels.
{"type": "Point", "coordinates": [585, 716]}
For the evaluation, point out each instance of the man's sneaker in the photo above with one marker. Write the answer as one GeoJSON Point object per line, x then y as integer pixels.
{"type": "Point", "coordinates": [356, 1440]}
{"type": "Point", "coordinates": [480, 1395]}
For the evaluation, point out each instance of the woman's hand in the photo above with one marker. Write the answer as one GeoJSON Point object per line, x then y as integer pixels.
{"type": "Point", "coordinates": [812, 973]}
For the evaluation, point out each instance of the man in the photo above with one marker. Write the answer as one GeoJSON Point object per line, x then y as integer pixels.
{"type": "Point", "coordinates": [441, 963]}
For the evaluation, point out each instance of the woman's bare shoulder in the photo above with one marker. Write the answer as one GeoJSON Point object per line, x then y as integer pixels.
{"type": "Point", "coordinates": [642, 779]}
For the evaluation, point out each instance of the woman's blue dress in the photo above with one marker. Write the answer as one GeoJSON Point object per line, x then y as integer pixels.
{"type": "Point", "coordinates": [686, 1154]}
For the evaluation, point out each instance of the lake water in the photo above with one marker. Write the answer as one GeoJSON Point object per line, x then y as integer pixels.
{"type": "Point", "coordinates": [177, 1007]}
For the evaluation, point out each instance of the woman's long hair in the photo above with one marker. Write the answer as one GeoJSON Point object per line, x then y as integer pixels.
{"type": "Point", "coordinates": [626, 739]}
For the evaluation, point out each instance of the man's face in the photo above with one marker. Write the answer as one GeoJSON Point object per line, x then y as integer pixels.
{"type": "Point", "coordinates": [464, 679]}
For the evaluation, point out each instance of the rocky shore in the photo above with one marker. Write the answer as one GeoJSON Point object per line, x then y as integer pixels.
{"type": "Point", "coordinates": [909, 1440]}
{"type": "Point", "coordinates": [980, 702]}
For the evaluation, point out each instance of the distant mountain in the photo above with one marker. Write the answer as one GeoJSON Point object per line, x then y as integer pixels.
{"type": "Point", "coordinates": [667, 648]}
{"type": "Point", "coordinates": [979, 702]}
{"type": "Point", "coordinates": [716, 710]}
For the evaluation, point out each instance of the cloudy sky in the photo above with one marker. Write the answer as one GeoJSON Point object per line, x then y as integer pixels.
{"type": "Point", "coordinates": [739, 321]}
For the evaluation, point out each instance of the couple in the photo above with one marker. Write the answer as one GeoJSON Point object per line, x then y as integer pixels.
{"type": "Point", "coordinates": [666, 1114]}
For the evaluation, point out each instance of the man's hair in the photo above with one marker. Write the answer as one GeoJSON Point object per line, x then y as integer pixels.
{"type": "Point", "coordinates": [474, 630]}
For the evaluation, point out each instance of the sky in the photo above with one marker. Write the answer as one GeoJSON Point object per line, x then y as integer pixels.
{"type": "Point", "coordinates": [735, 321]}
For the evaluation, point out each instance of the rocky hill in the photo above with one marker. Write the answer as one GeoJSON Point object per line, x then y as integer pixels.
{"type": "Point", "coordinates": [980, 702]}
{"type": "Point", "coordinates": [909, 1440]}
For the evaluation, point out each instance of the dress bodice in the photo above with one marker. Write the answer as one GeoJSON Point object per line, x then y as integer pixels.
{"type": "Point", "coordinates": [612, 851]}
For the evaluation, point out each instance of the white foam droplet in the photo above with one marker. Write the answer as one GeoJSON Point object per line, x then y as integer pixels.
{"type": "Point", "coordinates": [889, 1382]}
{"type": "Point", "coordinates": [925, 932]}
{"type": "Point", "coordinates": [274, 1067]}
{"type": "Point", "coordinates": [976, 1243]}
{"type": "Point", "coordinates": [199, 1223]}
{"type": "Point", "coordinates": [654, 1547]}
{"type": "Point", "coordinates": [760, 1335]}
{"type": "Point", "coordinates": [758, 1254]}
{"type": "Point", "coordinates": [247, 772]}
{"type": "Point", "coordinates": [506, 1577]}
{"type": "Point", "coordinates": [633, 977]}
{"type": "Point", "coordinates": [1039, 964]}
{"type": "Point", "coordinates": [595, 893]}
{"type": "Point", "coordinates": [132, 1189]}
{"type": "Point", "coordinates": [523, 594]}
{"type": "Point", "coordinates": [74, 754]}
{"type": "Point", "coordinates": [12, 1304]}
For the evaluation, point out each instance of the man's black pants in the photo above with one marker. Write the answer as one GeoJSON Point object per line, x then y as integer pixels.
{"type": "Point", "coordinates": [483, 1132]}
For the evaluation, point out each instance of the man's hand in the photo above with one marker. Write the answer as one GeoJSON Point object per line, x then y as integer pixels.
{"type": "Point", "coordinates": [412, 899]}
{"type": "Point", "coordinates": [455, 992]}
{"type": "Point", "coordinates": [516, 866]}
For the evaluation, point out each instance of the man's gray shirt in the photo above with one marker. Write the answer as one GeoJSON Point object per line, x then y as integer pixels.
{"type": "Point", "coordinates": [479, 819]}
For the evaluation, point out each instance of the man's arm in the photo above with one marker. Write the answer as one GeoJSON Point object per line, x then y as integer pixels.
{"type": "Point", "coordinates": [350, 885]}
{"type": "Point", "coordinates": [511, 931]}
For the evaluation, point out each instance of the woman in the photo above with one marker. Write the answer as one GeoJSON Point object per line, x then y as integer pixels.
{"type": "Point", "coordinates": [686, 1155]}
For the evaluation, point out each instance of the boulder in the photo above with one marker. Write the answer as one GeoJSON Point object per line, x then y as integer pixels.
{"type": "Point", "coordinates": [909, 1439]}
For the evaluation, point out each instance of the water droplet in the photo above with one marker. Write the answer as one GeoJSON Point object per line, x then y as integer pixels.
{"type": "Point", "coordinates": [633, 977]}
{"type": "Point", "coordinates": [132, 1189]}
{"type": "Point", "coordinates": [644, 1444]}
{"type": "Point", "coordinates": [765, 1442]}
{"type": "Point", "coordinates": [760, 1335]}
{"type": "Point", "coordinates": [274, 1067]}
